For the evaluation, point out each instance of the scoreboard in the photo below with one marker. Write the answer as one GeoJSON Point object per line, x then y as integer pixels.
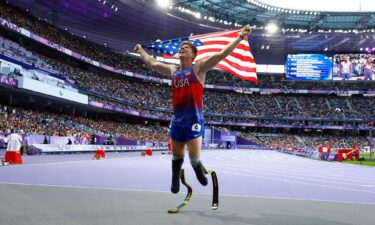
{"type": "Point", "coordinates": [308, 67]}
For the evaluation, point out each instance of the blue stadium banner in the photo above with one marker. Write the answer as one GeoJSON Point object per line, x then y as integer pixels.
{"type": "Point", "coordinates": [308, 67]}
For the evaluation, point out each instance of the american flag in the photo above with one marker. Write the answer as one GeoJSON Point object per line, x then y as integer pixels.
{"type": "Point", "coordinates": [240, 62]}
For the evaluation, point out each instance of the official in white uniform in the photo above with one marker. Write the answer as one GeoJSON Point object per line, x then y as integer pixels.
{"type": "Point", "coordinates": [14, 142]}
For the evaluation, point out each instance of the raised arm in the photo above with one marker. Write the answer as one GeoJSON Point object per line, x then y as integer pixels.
{"type": "Point", "coordinates": [153, 63]}
{"type": "Point", "coordinates": [210, 62]}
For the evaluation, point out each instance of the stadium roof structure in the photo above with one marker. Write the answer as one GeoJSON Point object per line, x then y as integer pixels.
{"type": "Point", "coordinates": [259, 13]}
{"type": "Point", "coordinates": [142, 22]}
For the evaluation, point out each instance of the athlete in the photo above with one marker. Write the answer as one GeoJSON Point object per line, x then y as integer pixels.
{"type": "Point", "coordinates": [346, 68]}
{"type": "Point", "coordinates": [187, 126]}
{"type": "Point", "coordinates": [367, 68]}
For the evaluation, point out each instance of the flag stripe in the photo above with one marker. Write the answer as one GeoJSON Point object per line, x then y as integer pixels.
{"type": "Point", "coordinates": [226, 39]}
{"type": "Point", "coordinates": [215, 34]}
{"type": "Point", "coordinates": [221, 46]}
{"type": "Point", "coordinates": [239, 52]}
{"type": "Point", "coordinates": [238, 71]}
{"type": "Point", "coordinates": [236, 66]}
{"type": "Point", "coordinates": [230, 58]}
{"type": "Point", "coordinates": [235, 54]}
{"type": "Point", "coordinates": [249, 76]}
{"type": "Point", "coordinates": [239, 67]}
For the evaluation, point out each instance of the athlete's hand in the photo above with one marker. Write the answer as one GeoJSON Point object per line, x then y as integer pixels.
{"type": "Point", "coordinates": [138, 48]}
{"type": "Point", "coordinates": [246, 30]}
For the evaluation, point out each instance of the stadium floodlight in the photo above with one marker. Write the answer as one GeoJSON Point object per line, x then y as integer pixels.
{"type": "Point", "coordinates": [272, 28]}
{"type": "Point", "coordinates": [163, 3]}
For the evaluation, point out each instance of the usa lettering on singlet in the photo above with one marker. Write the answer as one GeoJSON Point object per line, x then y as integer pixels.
{"type": "Point", "coordinates": [187, 97]}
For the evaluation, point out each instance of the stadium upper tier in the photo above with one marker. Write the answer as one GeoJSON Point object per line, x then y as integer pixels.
{"type": "Point", "coordinates": [230, 105]}
{"type": "Point", "coordinates": [227, 106]}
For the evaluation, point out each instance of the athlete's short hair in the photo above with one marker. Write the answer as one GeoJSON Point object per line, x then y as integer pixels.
{"type": "Point", "coordinates": [195, 50]}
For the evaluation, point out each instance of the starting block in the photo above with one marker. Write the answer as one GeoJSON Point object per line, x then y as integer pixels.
{"type": "Point", "coordinates": [13, 157]}
{"type": "Point", "coordinates": [149, 152]}
{"type": "Point", "coordinates": [99, 154]}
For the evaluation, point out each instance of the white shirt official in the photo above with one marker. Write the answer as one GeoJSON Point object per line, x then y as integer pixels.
{"type": "Point", "coordinates": [14, 142]}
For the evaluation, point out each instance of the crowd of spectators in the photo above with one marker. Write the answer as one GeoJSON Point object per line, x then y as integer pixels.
{"type": "Point", "coordinates": [335, 141]}
{"type": "Point", "coordinates": [44, 123]}
{"type": "Point", "coordinates": [129, 94]}
{"type": "Point", "coordinates": [119, 91]}
{"type": "Point", "coordinates": [285, 140]}
{"type": "Point", "coordinates": [273, 140]}
{"type": "Point", "coordinates": [146, 96]}
{"type": "Point", "coordinates": [305, 140]}
{"type": "Point", "coordinates": [155, 98]}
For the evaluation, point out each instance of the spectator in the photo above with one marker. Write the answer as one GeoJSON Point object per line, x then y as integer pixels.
{"type": "Point", "coordinates": [45, 141]}
{"type": "Point", "coordinates": [92, 140]}
{"type": "Point", "coordinates": [109, 140]}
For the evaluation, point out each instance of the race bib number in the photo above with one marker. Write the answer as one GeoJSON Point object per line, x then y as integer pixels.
{"type": "Point", "coordinates": [196, 127]}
